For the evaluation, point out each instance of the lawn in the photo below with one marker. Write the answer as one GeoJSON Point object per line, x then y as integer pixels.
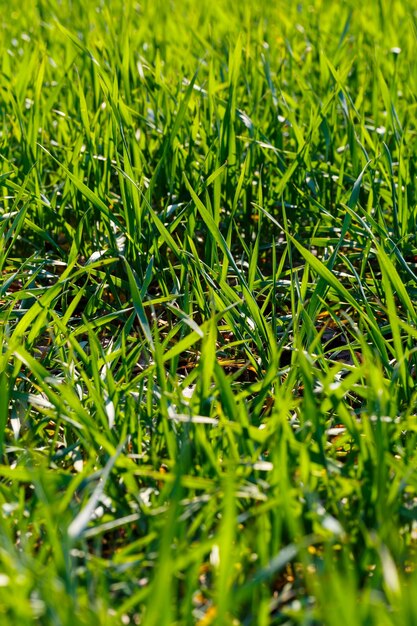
{"type": "Point", "coordinates": [208, 256]}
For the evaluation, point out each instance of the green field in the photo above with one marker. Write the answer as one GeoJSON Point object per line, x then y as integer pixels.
{"type": "Point", "coordinates": [208, 255]}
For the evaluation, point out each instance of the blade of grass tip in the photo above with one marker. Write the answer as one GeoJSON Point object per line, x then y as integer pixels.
{"type": "Point", "coordinates": [397, 283]}
{"type": "Point", "coordinates": [165, 234]}
{"type": "Point", "coordinates": [147, 278]}
{"type": "Point", "coordinates": [75, 40]}
{"type": "Point", "coordinates": [84, 111]}
{"type": "Point", "coordinates": [138, 304]}
{"type": "Point", "coordinates": [239, 186]}
{"type": "Point", "coordinates": [395, 329]}
{"type": "Point", "coordinates": [206, 365]}
{"type": "Point", "coordinates": [388, 159]}
{"type": "Point", "coordinates": [254, 257]}
{"type": "Point", "coordinates": [80, 522]}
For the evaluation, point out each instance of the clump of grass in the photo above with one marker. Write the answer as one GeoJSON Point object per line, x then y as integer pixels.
{"type": "Point", "coordinates": [208, 261]}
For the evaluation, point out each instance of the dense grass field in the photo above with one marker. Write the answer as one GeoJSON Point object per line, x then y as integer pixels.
{"type": "Point", "coordinates": [208, 255]}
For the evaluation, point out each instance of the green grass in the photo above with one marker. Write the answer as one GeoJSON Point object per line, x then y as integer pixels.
{"type": "Point", "coordinates": [208, 255]}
